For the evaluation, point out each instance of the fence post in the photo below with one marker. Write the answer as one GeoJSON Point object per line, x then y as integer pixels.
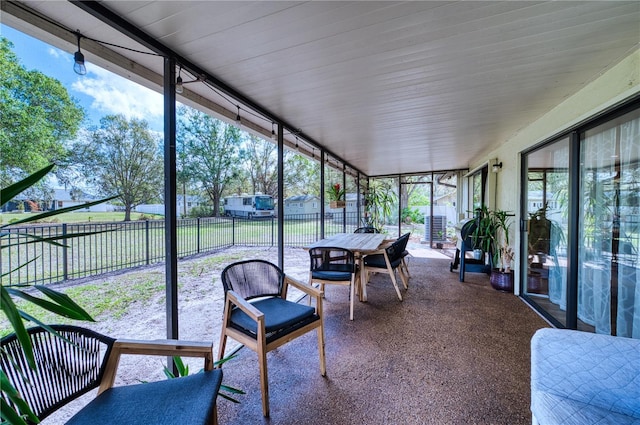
{"type": "Point", "coordinates": [65, 269]}
{"type": "Point", "coordinates": [147, 240]}
{"type": "Point", "coordinates": [317, 227]}
{"type": "Point", "coordinates": [272, 231]}
{"type": "Point", "coordinates": [233, 231]}
{"type": "Point", "coordinates": [198, 234]}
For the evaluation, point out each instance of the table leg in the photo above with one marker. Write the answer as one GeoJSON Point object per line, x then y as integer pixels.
{"type": "Point", "coordinates": [363, 280]}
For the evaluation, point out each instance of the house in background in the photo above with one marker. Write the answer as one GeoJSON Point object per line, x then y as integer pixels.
{"type": "Point", "coordinates": [184, 206]}
{"type": "Point", "coordinates": [297, 206]}
{"type": "Point", "coordinates": [56, 200]}
{"type": "Point", "coordinates": [64, 198]}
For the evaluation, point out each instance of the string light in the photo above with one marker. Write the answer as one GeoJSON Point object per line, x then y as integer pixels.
{"type": "Point", "coordinates": [238, 119]}
{"type": "Point", "coordinates": [78, 59]}
{"type": "Point", "coordinates": [179, 88]}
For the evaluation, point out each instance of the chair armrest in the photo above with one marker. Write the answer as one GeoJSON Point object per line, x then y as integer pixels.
{"type": "Point", "coordinates": [307, 289]}
{"type": "Point", "coordinates": [169, 347]}
{"type": "Point", "coordinates": [244, 305]}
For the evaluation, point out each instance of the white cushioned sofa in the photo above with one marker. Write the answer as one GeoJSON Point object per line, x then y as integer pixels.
{"type": "Point", "coordinates": [584, 378]}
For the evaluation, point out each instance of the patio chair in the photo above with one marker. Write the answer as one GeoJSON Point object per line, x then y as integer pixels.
{"type": "Point", "coordinates": [258, 314]}
{"type": "Point", "coordinates": [387, 261]}
{"type": "Point", "coordinates": [336, 266]}
{"type": "Point", "coordinates": [366, 229]}
{"type": "Point", "coordinates": [78, 360]}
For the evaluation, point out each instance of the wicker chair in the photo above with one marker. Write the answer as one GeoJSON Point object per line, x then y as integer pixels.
{"type": "Point", "coordinates": [387, 261]}
{"type": "Point", "coordinates": [78, 360]}
{"type": "Point", "coordinates": [336, 266]}
{"type": "Point", "coordinates": [258, 314]}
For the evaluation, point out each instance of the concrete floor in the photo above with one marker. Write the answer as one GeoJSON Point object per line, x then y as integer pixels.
{"type": "Point", "coordinates": [450, 353]}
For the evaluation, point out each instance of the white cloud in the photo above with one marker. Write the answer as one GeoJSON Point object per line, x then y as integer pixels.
{"type": "Point", "coordinates": [57, 53]}
{"type": "Point", "coordinates": [115, 95]}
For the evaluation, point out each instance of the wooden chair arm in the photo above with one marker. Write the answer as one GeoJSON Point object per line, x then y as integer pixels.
{"type": "Point", "coordinates": [307, 289]}
{"type": "Point", "coordinates": [244, 305]}
{"type": "Point", "coordinates": [169, 347]}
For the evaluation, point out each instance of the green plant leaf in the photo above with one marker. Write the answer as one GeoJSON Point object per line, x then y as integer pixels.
{"type": "Point", "coordinates": [19, 267]}
{"type": "Point", "coordinates": [8, 413]}
{"type": "Point", "coordinates": [9, 192]}
{"type": "Point", "coordinates": [63, 305]}
{"type": "Point", "coordinates": [13, 315]}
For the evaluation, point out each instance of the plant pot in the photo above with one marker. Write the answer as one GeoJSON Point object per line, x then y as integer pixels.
{"type": "Point", "coordinates": [438, 245]}
{"type": "Point", "coordinates": [477, 254]}
{"type": "Point", "coordinates": [501, 281]}
{"type": "Point", "coordinates": [536, 284]}
{"type": "Point", "coordinates": [337, 204]}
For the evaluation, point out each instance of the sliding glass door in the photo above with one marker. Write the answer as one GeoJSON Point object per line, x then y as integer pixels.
{"type": "Point", "coordinates": [608, 257]}
{"type": "Point", "coordinates": [589, 278]}
{"type": "Point", "coordinates": [547, 211]}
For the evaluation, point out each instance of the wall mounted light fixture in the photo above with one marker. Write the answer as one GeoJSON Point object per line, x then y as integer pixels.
{"type": "Point", "coordinates": [497, 167]}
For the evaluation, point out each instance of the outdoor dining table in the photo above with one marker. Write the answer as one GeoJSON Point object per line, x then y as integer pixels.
{"type": "Point", "coordinates": [361, 244]}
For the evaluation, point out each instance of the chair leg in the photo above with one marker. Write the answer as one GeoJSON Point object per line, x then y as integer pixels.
{"type": "Point", "coordinates": [264, 380]}
{"type": "Point", "coordinates": [323, 362]}
{"type": "Point", "coordinates": [392, 273]}
{"type": "Point", "coordinates": [406, 268]}
{"type": "Point", "coordinates": [352, 295]}
{"type": "Point", "coordinates": [403, 278]}
{"type": "Point", "coordinates": [222, 346]}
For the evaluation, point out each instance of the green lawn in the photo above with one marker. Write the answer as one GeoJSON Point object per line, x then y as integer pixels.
{"type": "Point", "coordinates": [79, 217]}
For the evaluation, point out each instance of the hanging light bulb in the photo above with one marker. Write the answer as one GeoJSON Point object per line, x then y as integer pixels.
{"type": "Point", "coordinates": [273, 132]}
{"type": "Point", "coordinates": [78, 59]}
{"type": "Point", "coordinates": [179, 87]}
{"type": "Point", "coordinates": [238, 119]}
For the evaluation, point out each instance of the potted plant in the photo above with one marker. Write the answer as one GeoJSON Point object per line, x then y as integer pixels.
{"type": "Point", "coordinates": [543, 237]}
{"type": "Point", "coordinates": [492, 236]}
{"type": "Point", "coordinates": [378, 202]}
{"type": "Point", "coordinates": [336, 196]}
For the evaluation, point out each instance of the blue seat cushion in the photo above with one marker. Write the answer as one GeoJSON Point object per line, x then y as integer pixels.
{"type": "Point", "coordinates": [279, 315]}
{"type": "Point", "coordinates": [377, 260]}
{"type": "Point", "coordinates": [336, 272]}
{"type": "Point", "coordinates": [179, 401]}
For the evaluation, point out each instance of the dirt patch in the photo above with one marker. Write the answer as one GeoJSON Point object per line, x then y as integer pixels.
{"type": "Point", "coordinates": [200, 304]}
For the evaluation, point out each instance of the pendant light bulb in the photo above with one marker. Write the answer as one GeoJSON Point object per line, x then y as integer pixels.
{"type": "Point", "coordinates": [179, 87]}
{"type": "Point", "coordinates": [78, 59]}
{"type": "Point", "coordinates": [273, 132]}
{"type": "Point", "coordinates": [238, 119]}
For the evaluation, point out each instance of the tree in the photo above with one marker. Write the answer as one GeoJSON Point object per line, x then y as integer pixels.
{"type": "Point", "coordinates": [123, 159]}
{"type": "Point", "coordinates": [301, 175]}
{"type": "Point", "coordinates": [261, 162]}
{"type": "Point", "coordinates": [208, 153]}
{"type": "Point", "coordinates": [37, 116]}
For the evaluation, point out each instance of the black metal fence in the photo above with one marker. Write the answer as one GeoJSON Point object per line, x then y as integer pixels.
{"type": "Point", "coordinates": [94, 248]}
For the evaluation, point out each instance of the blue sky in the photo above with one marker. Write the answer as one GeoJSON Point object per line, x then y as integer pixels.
{"type": "Point", "coordinates": [99, 92]}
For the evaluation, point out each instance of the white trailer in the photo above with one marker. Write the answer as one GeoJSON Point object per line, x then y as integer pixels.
{"type": "Point", "coordinates": [249, 206]}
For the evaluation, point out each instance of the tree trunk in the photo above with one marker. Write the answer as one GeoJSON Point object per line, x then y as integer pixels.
{"type": "Point", "coordinates": [127, 213]}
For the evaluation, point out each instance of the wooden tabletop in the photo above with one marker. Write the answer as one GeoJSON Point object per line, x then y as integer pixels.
{"type": "Point", "coordinates": [357, 242]}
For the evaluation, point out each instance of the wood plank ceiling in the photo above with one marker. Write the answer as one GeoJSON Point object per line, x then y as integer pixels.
{"type": "Point", "coordinates": [390, 87]}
